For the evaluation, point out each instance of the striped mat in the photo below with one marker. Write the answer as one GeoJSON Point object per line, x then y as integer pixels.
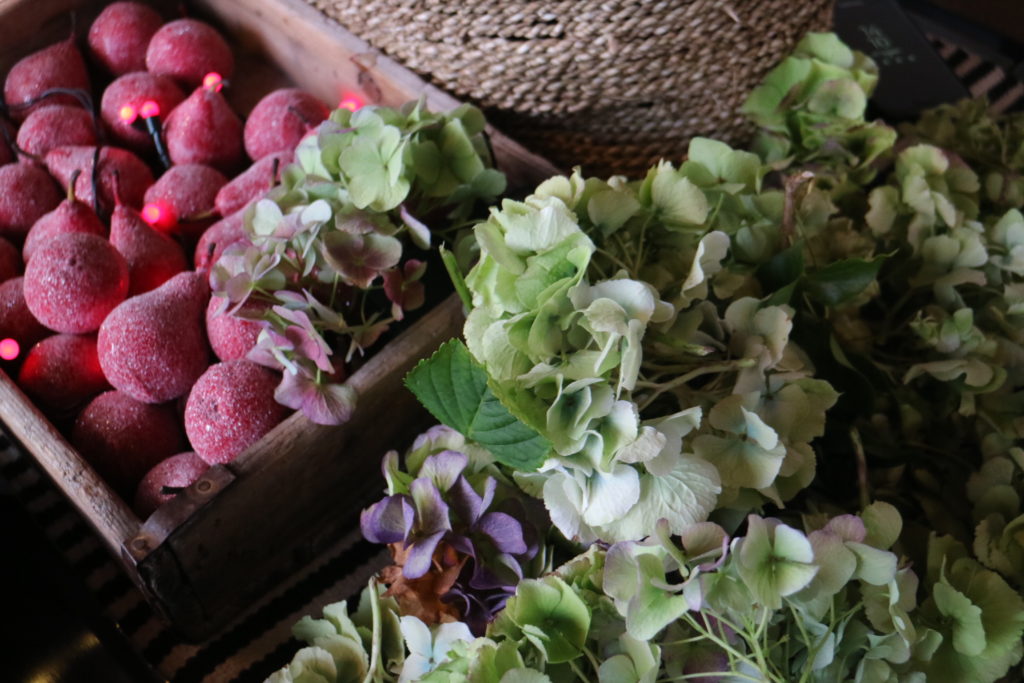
{"type": "Point", "coordinates": [249, 650]}
{"type": "Point", "coordinates": [260, 642]}
{"type": "Point", "coordinates": [981, 77]}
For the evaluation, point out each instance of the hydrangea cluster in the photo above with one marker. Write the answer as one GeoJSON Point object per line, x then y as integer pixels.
{"type": "Point", "coordinates": [461, 536]}
{"type": "Point", "coordinates": [626, 323]}
{"type": "Point", "coordinates": [324, 263]}
{"type": "Point", "coordinates": [993, 146]}
{"type": "Point", "coordinates": [829, 601]}
{"type": "Point", "coordinates": [708, 375]}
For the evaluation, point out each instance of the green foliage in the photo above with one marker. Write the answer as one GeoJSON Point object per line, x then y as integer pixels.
{"type": "Point", "coordinates": [453, 387]}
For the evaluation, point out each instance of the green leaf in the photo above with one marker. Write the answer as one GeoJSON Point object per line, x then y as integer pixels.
{"type": "Point", "coordinates": [842, 280]}
{"type": "Point", "coordinates": [453, 387]}
{"type": "Point", "coordinates": [783, 269]}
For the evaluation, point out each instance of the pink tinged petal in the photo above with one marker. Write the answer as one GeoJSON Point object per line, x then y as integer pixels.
{"type": "Point", "coordinates": [293, 390]}
{"type": "Point", "coordinates": [418, 230]}
{"type": "Point", "coordinates": [262, 355]}
{"type": "Point", "coordinates": [308, 346]}
{"type": "Point", "coordinates": [365, 336]}
{"type": "Point", "coordinates": [393, 281]}
{"type": "Point", "coordinates": [413, 269]}
{"type": "Point", "coordinates": [326, 404]}
{"type": "Point", "coordinates": [848, 528]}
{"type": "Point", "coordinates": [333, 404]}
{"type": "Point", "coordinates": [286, 296]}
{"type": "Point", "coordinates": [361, 258]}
{"type": "Point", "coordinates": [388, 521]}
{"type": "Point", "coordinates": [294, 316]}
{"type": "Point", "coordinates": [504, 531]}
{"type": "Point", "coordinates": [289, 227]}
{"type": "Point", "coordinates": [355, 224]}
{"type": "Point", "coordinates": [238, 287]}
{"type": "Point", "coordinates": [279, 340]}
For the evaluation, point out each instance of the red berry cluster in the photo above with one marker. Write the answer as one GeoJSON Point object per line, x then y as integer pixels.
{"type": "Point", "coordinates": [97, 286]}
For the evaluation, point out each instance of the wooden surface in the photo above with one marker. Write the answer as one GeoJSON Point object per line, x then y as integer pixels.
{"type": "Point", "coordinates": [303, 486]}
{"type": "Point", "coordinates": [206, 555]}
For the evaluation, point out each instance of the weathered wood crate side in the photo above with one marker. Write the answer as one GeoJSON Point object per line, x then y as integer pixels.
{"type": "Point", "coordinates": [211, 552]}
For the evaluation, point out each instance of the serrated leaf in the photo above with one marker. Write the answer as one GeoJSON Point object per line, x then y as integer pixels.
{"type": "Point", "coordinates": [842, 280]}
{"type": "Point", "coordinates": [783, 269]}
{"type": "Point", "coordinates": [453, 387]}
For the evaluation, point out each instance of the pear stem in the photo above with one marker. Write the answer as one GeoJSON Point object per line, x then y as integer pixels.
{"type": "Point", "coordinates": [96, 180]}
{"type": "Point", "coordinates": [71, 185]}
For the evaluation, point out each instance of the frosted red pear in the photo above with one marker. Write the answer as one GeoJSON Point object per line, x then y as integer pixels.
{"type": "Point", "coordinates": [217, 238]}
{"type": "Point", "coordinates": [153, 346]}
{"type": "Point", "coordinates": [153, 258]}
{"type": "Point", "coordinates": [118, 167]}
{"type": "Point", "coordinates": [280, 120]}
{"type": "Point", "coordinates": [176, 472]}
{"type": "Point", "coordinates": [26, 194]}
{"type": "Point", "coordinates": [57, 66]}
{"type": "Point", "coordinates": [119, 36]}
{"type": "Point", "coordinates": [70, 216]}
{"type": "Point", "coordinates": [232, 336]}
{"type": "Point", "coordinates": [123, 438]}
{"type": "Point", "coordinates": [16, 321]}
{"type": "Point", "coordinates": [186, 50]}
{"type": "Point", "coordinates": [74, 281]}
{"type": "Point", "coordinates": [204, 130]}
{"type": "Point", "coordinates": [55, 125]}
{"type": "Point", "coordinates": [189, 189]}
{"type": "Point", "coordinates": [133, 90]}
{"type": "Point", "coordinates": [61, 373]}
{"type": "Point", "coordinates": [230, 408]}
{"type": "Point", "coordinates": [10, 261]}
{"type": "Point", "coordinates": [253, 184]}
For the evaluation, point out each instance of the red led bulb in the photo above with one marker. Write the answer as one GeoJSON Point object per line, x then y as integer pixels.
{"type": "Point", "coordinates": [128, 114]}
{"type": "Point", "coordinates": [351, 101]}
{"type": "Point", "coordinates": [159, 215]}
{"type": "Point", "coordinates": [149, 109]}
{"type": "Point", "coordinates": [9, 348]}
{"type": "Point", "coordinates": [213, 82]}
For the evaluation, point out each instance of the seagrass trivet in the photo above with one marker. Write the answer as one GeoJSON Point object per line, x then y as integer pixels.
{"type": "Point", "coordinates": [612, 85]}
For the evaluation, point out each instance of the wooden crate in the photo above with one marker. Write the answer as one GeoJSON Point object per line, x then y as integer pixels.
{"type": "Point", "coordinates": [211, 552]}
